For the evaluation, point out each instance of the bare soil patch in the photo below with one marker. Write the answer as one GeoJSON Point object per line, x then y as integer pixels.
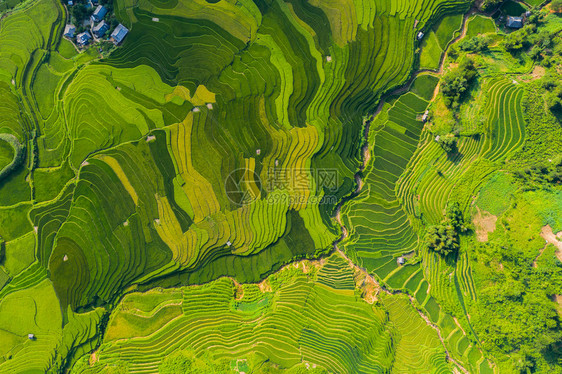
{"type": "Point", "coordinates": [368, 286]}
{"type": "Point", "coordinates": [538, 72]}
{"type": "Point", "coordinates": [238, 291]}
{"type": "Point", "coordinates": [264, 286]}
{"type": "Point", "coordinates": [484, 223]}
{"type": "Point", "coordinates": [553, 239]}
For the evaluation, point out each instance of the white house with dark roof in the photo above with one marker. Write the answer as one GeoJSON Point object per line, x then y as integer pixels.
{"type": "Point", "coordinates": [69, 31]}
{"type": "Point", "coordinates": [100, 29]}
{"type": "Point", "coordinates": [119, 34]}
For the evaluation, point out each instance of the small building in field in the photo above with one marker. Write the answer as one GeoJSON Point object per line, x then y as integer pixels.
{"type": "Point", "coordinates": [420, 35]}
{"type": "Point", "coordinates": [401, 260]}
{"type": "Point", "coordinates": [31, 336]}
{"type": "Point", "coordinates": [69, 31]}
{"type": "Point", "coordinates": [514, 22]}
{"type": "Point", "coordinates": [100, 29]}
{"type": "Point", "coordinates": [70, 3]}
{"type": "Point", "coordinates": [83, 39]}
{"type": "Point", "coordinates": [119, 34]}
{"type": "Point", "coordinates": [99, 13]}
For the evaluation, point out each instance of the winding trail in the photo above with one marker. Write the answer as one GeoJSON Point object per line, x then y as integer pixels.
{"type": "Point", "coordinates": [406, 87]}
{"type": "Point", "coordinates": [364, 272]}
{"type": "Point", "coordinates": [360, 184]}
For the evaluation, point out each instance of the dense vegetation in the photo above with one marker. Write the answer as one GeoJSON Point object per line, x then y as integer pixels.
{"type": "Point", "coordinates": [176, 203]}
{"type": "Point", "coordinates": [444, 238]}
{"type": "Point", "coordinates": [456, 82]}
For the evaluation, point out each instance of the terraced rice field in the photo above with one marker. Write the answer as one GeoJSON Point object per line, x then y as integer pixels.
{"type": "Point", "coordinates": [351, 335]}
{"type": "Point", "coordinates": [437, 39]}
{"type": "Point", "coordinates": [379, 226]}
{"type": "Point", "coordinates": [167, 194]}
{"type": "Point", "coordinates": [506, 129]}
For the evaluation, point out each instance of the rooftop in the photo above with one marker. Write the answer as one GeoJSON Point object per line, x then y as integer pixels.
{"type": "Point", "coordinates": [69, 31]}
{"type": "Point", "coordinates": [100, 29]}
{"type": "Point", "coordinates": [514, 22]}
{"type": "Point", "coordinates": [83, 38]}
{"type": "Point", "coordinates": [119, 33]}
{"type": "Point", "coordinates": [99, 13]}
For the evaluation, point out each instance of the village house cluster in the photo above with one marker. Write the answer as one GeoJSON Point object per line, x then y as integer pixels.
{"type": "Point", "coordinates": [98, 28]}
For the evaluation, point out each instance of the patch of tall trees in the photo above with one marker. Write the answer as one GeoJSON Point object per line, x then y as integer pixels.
{"type": "Point", "coordinates": [456, 83]}
{"type": "Point", "coordinates": [444, 238]}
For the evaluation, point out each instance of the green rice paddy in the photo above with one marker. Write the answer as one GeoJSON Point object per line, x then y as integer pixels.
{"type": "Point", "coordinates": [246, 187]}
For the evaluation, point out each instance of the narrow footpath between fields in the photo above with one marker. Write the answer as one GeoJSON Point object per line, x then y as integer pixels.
{"type": "Point", "coordinates": [360, 183]}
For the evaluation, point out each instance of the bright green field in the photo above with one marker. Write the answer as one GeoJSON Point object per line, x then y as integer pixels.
{"type": "Point", "coordinates": [251, 186]}
{"type": "Point", "coordinates": [437, 40]}
{"type": "Point", "coordinates": [480, 25]}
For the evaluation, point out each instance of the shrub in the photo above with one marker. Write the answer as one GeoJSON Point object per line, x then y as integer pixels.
{"type": "Point", "coordinates": [448, 143]}
{"type": "Point", "coordinates": [549, 82]}
{"type": "Point", "coordinates": [488, 5]}
{"type": "Point", "coordinates": [556, 6]}
{"type": "Point", "coordinates": [475, 44]}
{"type": "Point", "coordinates": [444, 238]}
{"type": "Point", "coordinates": [456, 82]}
{"type": "Point", "coordinates": [186, 362]}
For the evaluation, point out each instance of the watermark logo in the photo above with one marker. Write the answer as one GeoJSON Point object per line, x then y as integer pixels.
{"type": "Point", "coordinates": [299, 180]}
{"type": "Point", "coordinates": [242, 186]}
{"type": "Point", "coordinates": [327, 179]}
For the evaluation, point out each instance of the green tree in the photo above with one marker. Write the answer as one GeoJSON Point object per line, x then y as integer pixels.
{"type": "Point", "coordinates": [475, 44]}
{"type": "Point", "coordinates": [79, 12]}
{"type": "Point", "coordinates": [456, 83]}
{"type": "Point", "coordinates": [442, 239]}
{"type": "Point", "coordinates": [554, 100]}
{"type": "Point", "coordinates": [489, 5]}
{"type": "Point", "coordinates": [556, 6]}
{"type": "Point", "coordinates": [448, 143]}
{"type": "Point", "coordinates": [535, 52]}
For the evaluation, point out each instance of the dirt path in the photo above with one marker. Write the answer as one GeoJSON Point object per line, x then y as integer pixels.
{"type": "Point", "coordinates": [360, 184]}
{"type": "Point", "coordinates": [553, 239]}
{"type": "Point", "coordinates": [406, 87]}
{"type": "Point", "coordinates": [372, 280]}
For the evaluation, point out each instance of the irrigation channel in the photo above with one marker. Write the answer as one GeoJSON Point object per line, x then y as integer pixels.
{"type": "Point", "coordinates": [366, 156]}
